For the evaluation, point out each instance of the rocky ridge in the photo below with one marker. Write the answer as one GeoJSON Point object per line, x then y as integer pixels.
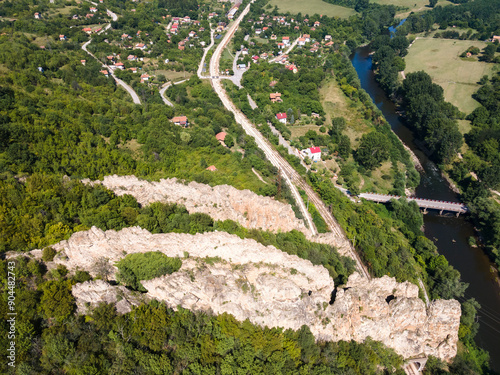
{"type": "Point", "coordinates": [223, 273]}
{"type": "Point", "coordinates": [221, 202]}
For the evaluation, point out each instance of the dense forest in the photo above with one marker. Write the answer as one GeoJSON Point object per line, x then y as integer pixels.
{"type": "Point", "coordinates": [62, 121]}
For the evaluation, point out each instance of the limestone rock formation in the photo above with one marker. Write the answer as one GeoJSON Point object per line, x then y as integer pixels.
{"type": "Point", "coordinates": [98, 291]}
{"type": "Point", "coordinates": [223, 273]}
{"type": "Point", "coordinates": [220, 202]}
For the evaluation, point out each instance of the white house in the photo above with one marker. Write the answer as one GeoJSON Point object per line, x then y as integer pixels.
{"type": "Point", "coordinates": [302, 42]}
{"type": "Point", "coordinates": [286, 40]}
{"type": "Point", "coordinates": [281, 117]}
{"type": "Point", "coordinates": [314, 153]}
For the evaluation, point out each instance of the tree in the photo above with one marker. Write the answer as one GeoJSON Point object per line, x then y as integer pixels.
{"type": "Point", "coordinates": [373, 150]}
{"type": "Point", "coordinates": [102, 268]}
{"type": "Point", "coordinates": [57, 301]}
{"type": "Point", "coordinates": [432, 3]}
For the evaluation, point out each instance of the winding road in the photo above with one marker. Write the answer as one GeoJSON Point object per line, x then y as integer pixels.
{"type": "Point", "coordinates": [291, 176]}
{"type": "Point", "coordinates": [165, 88]}
{"type": "Point", "coordinates": [129, 89]}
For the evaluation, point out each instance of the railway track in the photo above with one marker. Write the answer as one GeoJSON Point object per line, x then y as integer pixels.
{"type": "Point", "coordinates": [291, 176]}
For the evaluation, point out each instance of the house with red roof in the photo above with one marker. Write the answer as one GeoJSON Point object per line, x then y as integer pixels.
{"type": "Point", "coordinates": [87, 30]}
{"type": "Point", "coordinates": [275, 97]}
{"type": "Point", "coordinates": [221, 136]}
{"type": "Point", "coordinates": [211, 168]}
{"type": "Point", "coordinates": [313, 153]}
{"type": "Point", "coordinates": [286, 40]}
{"type": "Point", "coordinates": [180, 120]}
{"type": "Point", "coordinates": [281, 117]}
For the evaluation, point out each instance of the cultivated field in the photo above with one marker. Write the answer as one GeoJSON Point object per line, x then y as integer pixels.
{"type": "Point", "coordinates": [458, 77]}
{"type": "Point", "coordinates": [311, 7]}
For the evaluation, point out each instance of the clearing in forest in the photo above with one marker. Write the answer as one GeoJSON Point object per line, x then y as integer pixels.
{"type": "Point", "coordinates": [311, 7]}
{"type": "Point", "coordinates": [440, 58]}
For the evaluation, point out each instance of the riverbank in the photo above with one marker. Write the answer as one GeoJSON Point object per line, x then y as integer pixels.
{"type": "Point", "coordinates": [449, 234]}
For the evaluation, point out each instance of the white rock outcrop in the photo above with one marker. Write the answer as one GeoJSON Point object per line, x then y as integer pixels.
{"type": "Point", "coordinates": [224, 273]}
{"type": "Point", "coordinates": [221, 202]}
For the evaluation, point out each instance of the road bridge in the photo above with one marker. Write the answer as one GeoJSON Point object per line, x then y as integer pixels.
{"type": "Point", "coordinates": [433, 204]}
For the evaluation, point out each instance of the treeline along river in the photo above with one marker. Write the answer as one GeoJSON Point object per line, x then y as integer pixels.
{"type": "Point", "coordinates": [450, 234]}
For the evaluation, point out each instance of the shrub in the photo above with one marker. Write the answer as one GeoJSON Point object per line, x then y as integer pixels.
{"type": "Point", "coordinates": [145, 266]}
{"type": "Point", "coordinates": [48, 254]}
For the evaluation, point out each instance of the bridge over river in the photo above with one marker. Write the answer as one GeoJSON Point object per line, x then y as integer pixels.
{"type": "Point", "coordinates": [458, 208]}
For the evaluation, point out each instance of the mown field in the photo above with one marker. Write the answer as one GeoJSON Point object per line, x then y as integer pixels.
{"type": "Point", "coordinates": [458, 77]}
{"type": "Point", "coordinates": [311, 7]}
{"type": "Point", "coordinates": [412, 5]}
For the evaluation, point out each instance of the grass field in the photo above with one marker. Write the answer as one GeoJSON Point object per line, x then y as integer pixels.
{"type": "Point", "coordinates": [174, 76]}
{"type": "Point", "coordinates": [412, 5]}
{"type": "Point", "coordinates": [311, 7]}
{"type": "Point", "coordinates": [458, 77]}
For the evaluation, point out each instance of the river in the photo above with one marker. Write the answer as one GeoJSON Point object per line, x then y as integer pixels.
{"type": "Point", "coordinates": [449, 234]}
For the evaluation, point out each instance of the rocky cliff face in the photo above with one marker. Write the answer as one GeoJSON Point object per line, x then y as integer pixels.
{"type": "Point", "coordinates": [224, 273]}
{"type": "Point", "coordinates": [220, 202]}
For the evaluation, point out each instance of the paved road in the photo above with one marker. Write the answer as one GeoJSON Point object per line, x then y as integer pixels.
{"type": "Point", "coordinates": [165, 88]}
{"type": "Point", "coordinates": [202, 62]}
{"type": "Point", "coordinates": [289, 174]}
{"type": "Point", "coordinates": [286, 51]}
{"type": "Point", "coordinates": [130, 90]}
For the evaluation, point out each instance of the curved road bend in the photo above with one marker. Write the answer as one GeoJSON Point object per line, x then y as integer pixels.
{"type": "Point", "coordinates": [164, 88]}
{"type": "Point", "coordinates": [130, 90]}
{"type": "Point", "coordinates": [277, 160]}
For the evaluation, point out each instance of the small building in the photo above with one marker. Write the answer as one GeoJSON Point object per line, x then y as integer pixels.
{"type": "Point", "coordinates": [62, 37]}
{"type": "Point", "coordinates": [258, 31]}
{"type": "Point", "coordinates": [273, 37]}
{"type": "Point", "coordinates": [105, 72]}
{"type": "Point", "coordinates": [255, 58]}
{"type": "Point", "coordinates": [286, 40]}
{"type": "Point", "coordinates": [496, 38]}
{"type": "Point", "coordinates": [317, 23]}
{"type": "Point", "coordinates": [83, 62]}
{"type": "Point", "coordinates": [244, 51]}
{"type": "Point", "coordinates": [133, 69]}
{"type": "Point", "coordinates": [37, 16]}
{"type": "Point", "coordinates": [192, 34]}
{"type": "Point", "coordinates": [93, 9]}
{"type": "Point", "coordinates": [281, 117]}
{"type": "Point", "coordinates": [180, 120]}
{"type": "Point", "coordinates": [275, 97]}
{"type": "Point", "coordinates": [211, 168]}
{"type": "Point", "coordinates": [144, 77]}
{"type": "Point", "coordinates": [273, 83]}
{"type": "Point", "coordinates": [124, 36]}
{"type": "Point", "coordinates": [131, 57]}
{"type": "Point", "coordinates": [221, 136]}
{"type": "Point", "coordinates": [87, 30]}
{"type": "Point", "coordinates": [119, 66]}
{"type": "Point", "coordinates": [140, 46]}
{"type": "Point", "coordinates": [327, 38]}
{"type": "Point", "coordinates": [241, 66]}
{"type": "Point", "coordinates": [281, 45]}
{"type": "Point", "coordinates": [314, 153]}
{"type": "Point", "coordinates": [301, 42]}
{"type": "Point", "coordinates": [307, 37]}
